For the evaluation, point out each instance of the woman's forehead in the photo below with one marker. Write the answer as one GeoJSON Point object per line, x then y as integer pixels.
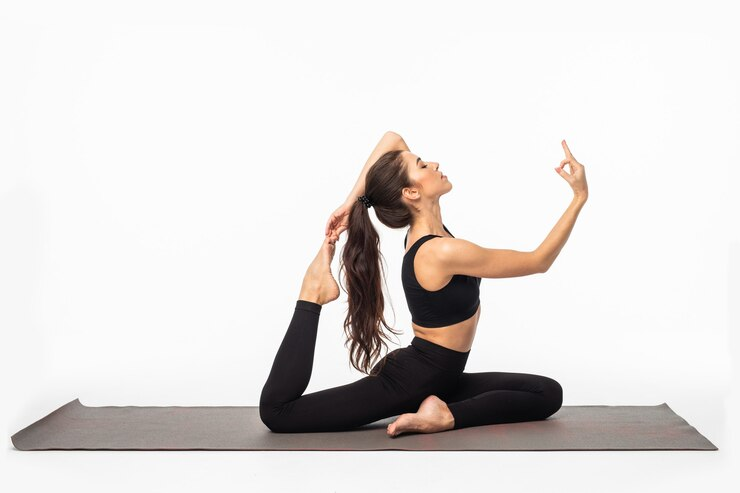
{"type": "Point", "coordinates": [411, 158]}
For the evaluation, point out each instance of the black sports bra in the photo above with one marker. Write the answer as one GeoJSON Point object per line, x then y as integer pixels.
{"type": "Point", "coordinates": [458, 300]}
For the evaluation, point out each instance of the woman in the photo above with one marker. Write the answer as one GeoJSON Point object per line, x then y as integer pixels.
{"type": "Point", "coordinates": [424, 383]}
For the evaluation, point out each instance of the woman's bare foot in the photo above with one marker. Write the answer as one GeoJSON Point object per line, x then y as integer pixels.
{"type": "Point", "coordinates": [319, 285]}
{"type": "Point", "coordinates": [433, 416]}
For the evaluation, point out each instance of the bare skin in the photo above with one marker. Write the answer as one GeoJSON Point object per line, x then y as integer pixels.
{"type": "Point", "coordinates": [433, 416]}
{"type": "Point", "coordinates": [319, 286]}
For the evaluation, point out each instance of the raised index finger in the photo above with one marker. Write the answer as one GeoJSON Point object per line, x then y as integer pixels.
{"type": "Point", "coordinates": [567, 151]}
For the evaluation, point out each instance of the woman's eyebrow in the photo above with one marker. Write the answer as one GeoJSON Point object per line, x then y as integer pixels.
{"type": "Point", "coordinates": [417, 160]}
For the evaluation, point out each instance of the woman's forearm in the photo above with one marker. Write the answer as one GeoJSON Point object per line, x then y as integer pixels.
{"type": "Point", "coordinates": [389, 142]}
{"type": "Point", "coordinates": [550, 248]}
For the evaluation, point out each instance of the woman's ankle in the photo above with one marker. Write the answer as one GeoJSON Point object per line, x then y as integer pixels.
{"type": "Point", "coordinates": [310, 297]}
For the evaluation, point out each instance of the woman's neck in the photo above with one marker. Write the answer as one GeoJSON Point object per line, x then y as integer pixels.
{"type": "Point", "coordinates": [428, 225]}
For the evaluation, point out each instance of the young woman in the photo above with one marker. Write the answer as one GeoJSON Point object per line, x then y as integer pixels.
{"type": "Point", "coordinates": [423, 383]}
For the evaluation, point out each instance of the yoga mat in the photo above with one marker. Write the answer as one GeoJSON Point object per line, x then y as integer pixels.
{"type": "Point", "coordinates": [75, 426]}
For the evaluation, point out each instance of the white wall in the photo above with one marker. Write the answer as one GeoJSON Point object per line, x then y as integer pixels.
{"type": "Point", "coordinates": [167, 170]}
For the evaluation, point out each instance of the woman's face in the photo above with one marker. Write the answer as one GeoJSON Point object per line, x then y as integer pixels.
{"type": "Point", "coordinates": [429, 180]}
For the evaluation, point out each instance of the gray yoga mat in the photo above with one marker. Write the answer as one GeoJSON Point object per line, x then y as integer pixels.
{"type": "Point", "coordinates": [75, 426]}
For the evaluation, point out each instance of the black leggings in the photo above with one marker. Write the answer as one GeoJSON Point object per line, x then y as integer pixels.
{"type": "Point", "coordinates": [409, 376]}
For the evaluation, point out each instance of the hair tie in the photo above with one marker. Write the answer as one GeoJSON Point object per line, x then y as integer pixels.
{"type": "Point", "coordinates": [365, 200]}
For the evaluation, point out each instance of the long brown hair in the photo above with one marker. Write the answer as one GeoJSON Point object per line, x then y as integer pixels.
{"type": "Point", "coordinates": [360, 259]}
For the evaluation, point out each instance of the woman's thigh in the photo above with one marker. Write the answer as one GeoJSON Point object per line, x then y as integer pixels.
{"type": "Point", "coordinates": [472, 384]}
{"type": "Point", "coordinates": [502, 397]}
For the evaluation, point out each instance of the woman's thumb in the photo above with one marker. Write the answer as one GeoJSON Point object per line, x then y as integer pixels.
{"type": "Point", "coordinates": [562, 172]}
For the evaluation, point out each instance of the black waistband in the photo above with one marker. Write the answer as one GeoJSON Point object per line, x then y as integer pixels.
{"type": "Point", "coordinates": [445, 357]}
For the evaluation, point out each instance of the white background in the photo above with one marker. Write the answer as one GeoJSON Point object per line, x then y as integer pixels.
{"type": "Point", "coordinates": [167, 169]}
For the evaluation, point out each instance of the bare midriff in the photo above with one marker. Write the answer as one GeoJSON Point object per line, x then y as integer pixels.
{"type": "Point", "coordinates": [458, 336]}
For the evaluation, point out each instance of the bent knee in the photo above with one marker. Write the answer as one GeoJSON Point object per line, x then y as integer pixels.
{"type": "Point", "coordinates": [271, 418]}
{"type": "Point", "coordinates": [554, 394]}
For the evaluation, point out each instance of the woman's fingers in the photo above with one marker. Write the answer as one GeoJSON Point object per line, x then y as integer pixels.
{"type": "Point", "coordinates": [335, 227]}
{"type": "Point", "coordinates": [329, 226]}
{"type": "Point", "coordinates": [561, 169]}
{"type": "Point", "coordinates": [573, 161]}
{"type": "Point", "coordinates": [566, 149]}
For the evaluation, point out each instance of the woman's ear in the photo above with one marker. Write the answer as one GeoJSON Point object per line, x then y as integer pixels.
{"type": "Point", "coordinates": [410, 193]}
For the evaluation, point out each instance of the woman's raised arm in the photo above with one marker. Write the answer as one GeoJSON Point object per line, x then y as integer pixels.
{"type": "Point", "coordinates": [390, 141]}
{"type": "Point", "coordinates": [339, 219]}
{"type": "Point", "coordinates": [550, 248]}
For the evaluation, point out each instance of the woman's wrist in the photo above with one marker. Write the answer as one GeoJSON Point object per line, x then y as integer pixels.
{"type": "Point", "coordinates": [351, 198]}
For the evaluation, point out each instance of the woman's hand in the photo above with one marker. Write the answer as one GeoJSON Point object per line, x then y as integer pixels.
{"type": "Point", "coordinates": [338, 221]}
{"type": "Point", "coordinates": [577, 176]}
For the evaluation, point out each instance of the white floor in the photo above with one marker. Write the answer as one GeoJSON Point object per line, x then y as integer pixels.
{"type": "Point", "coordinates": [390, 471]}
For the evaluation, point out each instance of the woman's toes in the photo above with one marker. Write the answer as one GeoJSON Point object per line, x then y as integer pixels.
{"type": "Point", "coordinates": [328, 251]}
{"type": "Point", "coordinates": [404, 423]}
